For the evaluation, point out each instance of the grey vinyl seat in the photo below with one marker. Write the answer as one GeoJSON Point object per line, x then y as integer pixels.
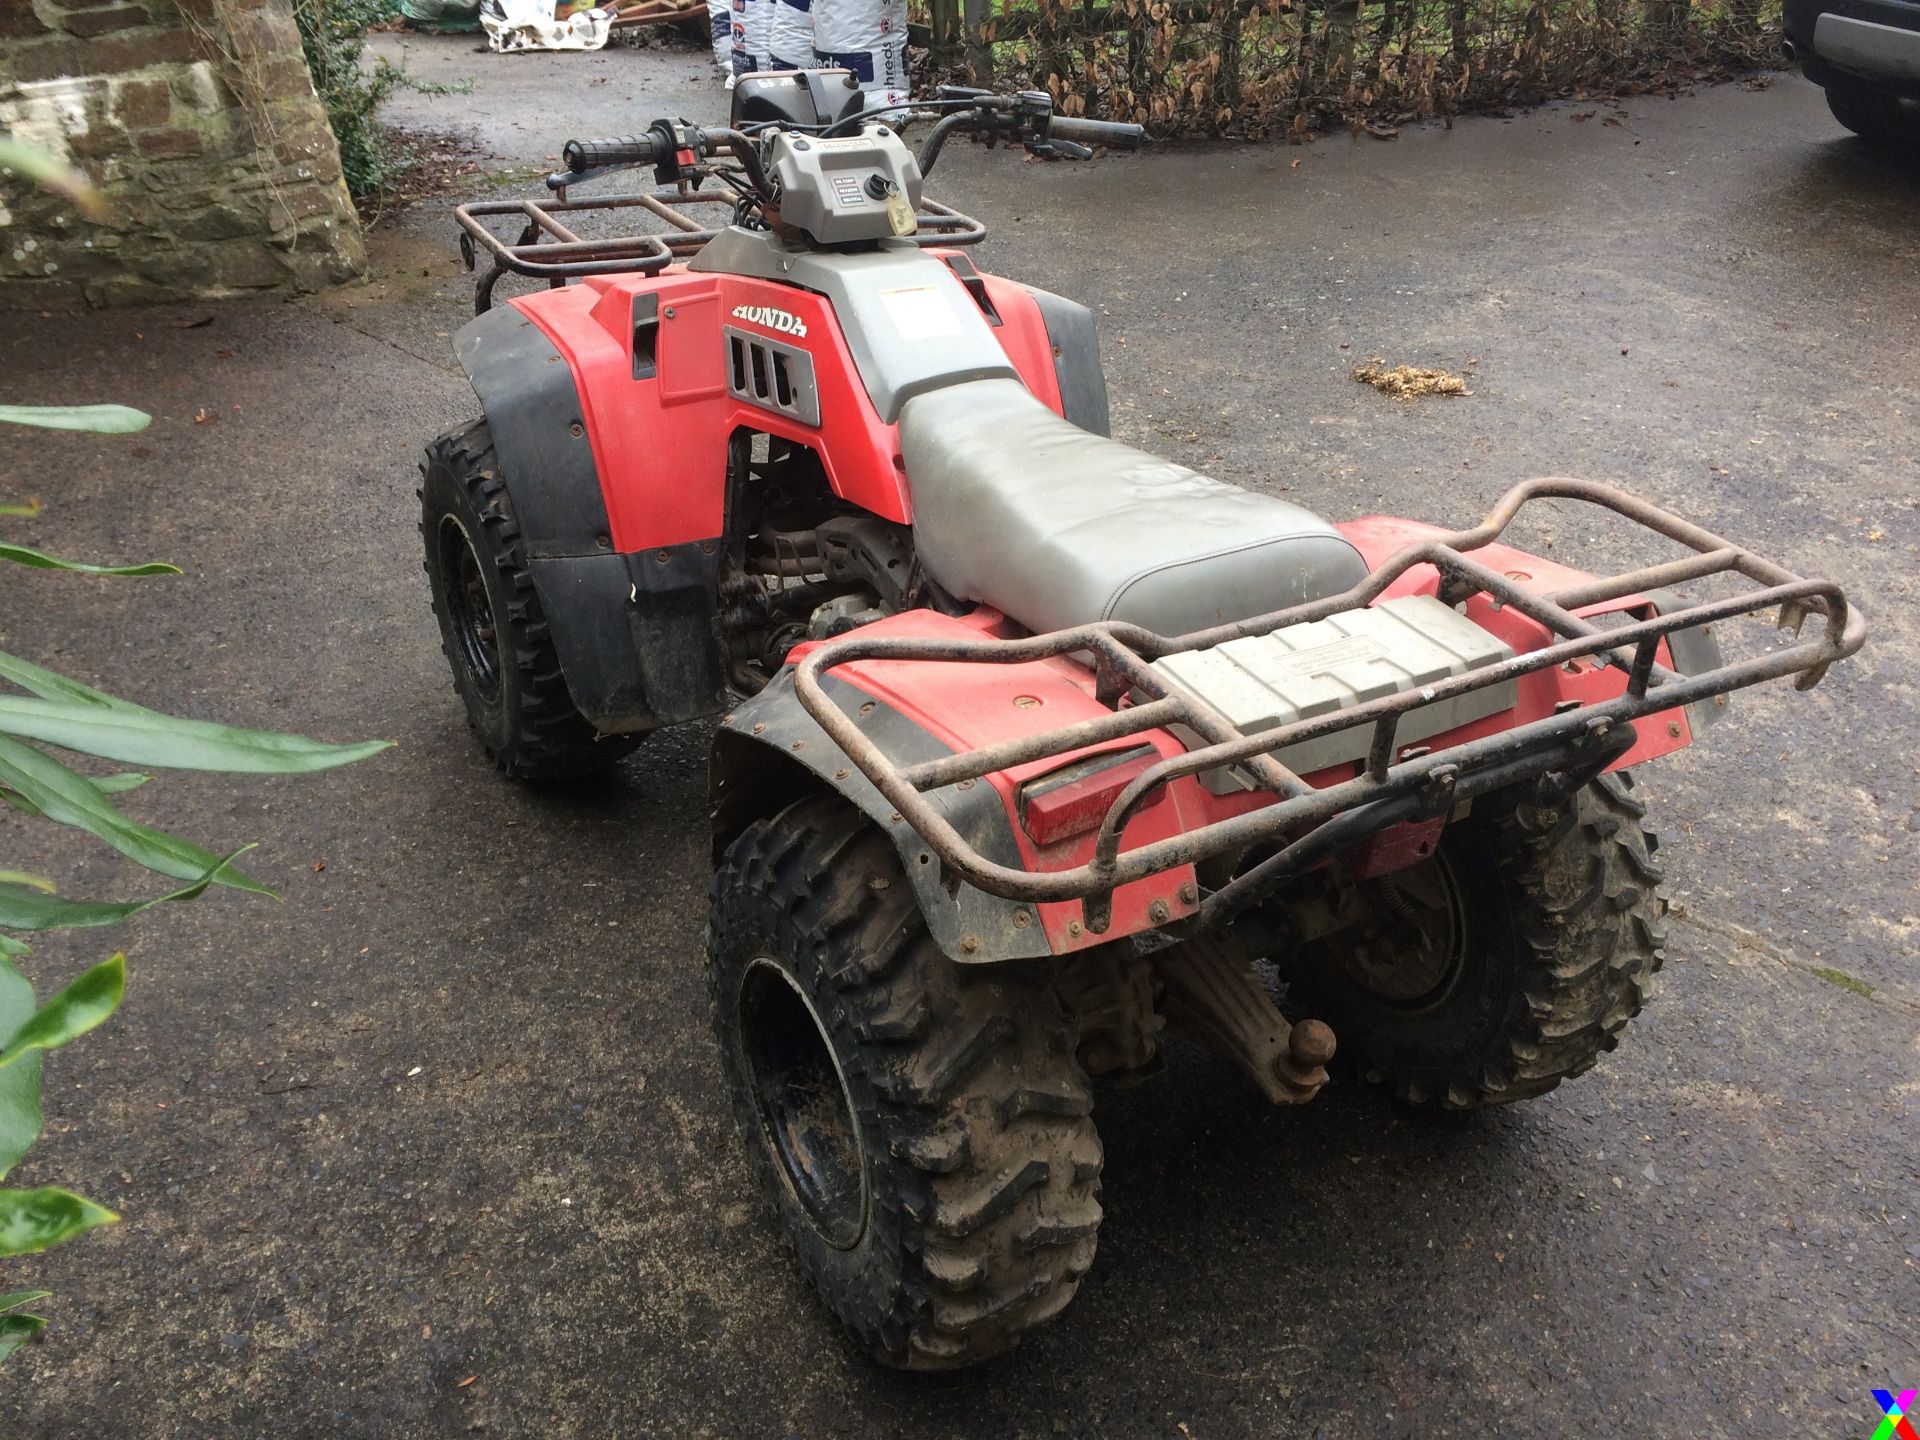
{"type": "Point", "coordinates": [1017, 508]}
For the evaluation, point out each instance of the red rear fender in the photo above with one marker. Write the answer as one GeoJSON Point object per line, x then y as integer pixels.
{"type": "Point", "coordinates": [967, 706]}
{"type": "Point", "coordinates": [970, 706]}
{"type": "Point", "coordinates": [1377, 537]}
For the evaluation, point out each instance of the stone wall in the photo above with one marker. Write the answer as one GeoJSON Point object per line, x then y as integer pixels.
{"type": "Point", "coordinates": [198, 121]}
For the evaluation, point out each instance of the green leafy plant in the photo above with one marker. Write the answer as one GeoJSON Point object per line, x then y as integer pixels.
{"type": "Point", "coordinates": [45, 712]}
{"type": "Point", "coordinates": [49, 174]}
{"type": "Point", "coordinates": [334, 35]}
{"type": "Point", "coordinates": [100, 419]}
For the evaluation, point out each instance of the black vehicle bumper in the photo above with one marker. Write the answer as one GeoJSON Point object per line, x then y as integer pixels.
{"type": "Point", "coordinates": [1877, 41]}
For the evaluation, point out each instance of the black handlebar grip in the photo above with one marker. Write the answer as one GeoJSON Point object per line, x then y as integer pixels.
{"type": "Point", "coordinates": [581, 156]}
{"type": "Point", "coordinates": [1097, 132]}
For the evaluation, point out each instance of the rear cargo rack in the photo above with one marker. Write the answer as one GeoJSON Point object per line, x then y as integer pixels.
{"type": "Point", "coordinates": [1579, 739]}
{"type": "Point", "coordinates": [548, 248]}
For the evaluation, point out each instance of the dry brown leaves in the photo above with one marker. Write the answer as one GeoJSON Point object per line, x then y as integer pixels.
{"type": "Point", "coordinates": [1259, 68]}
{"type": "Point", "coordinates": [1409, 382]}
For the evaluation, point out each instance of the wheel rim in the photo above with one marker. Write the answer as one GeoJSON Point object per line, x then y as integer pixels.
{"type": "Point", "coordinates": [1411, 950]}
{"type": "Point", "coordinates": [806, 1111]}
{"type": "Point", "coordinates": [469, 608]}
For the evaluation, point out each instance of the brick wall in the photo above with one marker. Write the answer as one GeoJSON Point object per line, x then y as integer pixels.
{"type": "Point", "coordinates": [198, 121]}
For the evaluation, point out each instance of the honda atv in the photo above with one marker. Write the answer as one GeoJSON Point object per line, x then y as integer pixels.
{"type": "Point", "coordinates": [1032, 744]}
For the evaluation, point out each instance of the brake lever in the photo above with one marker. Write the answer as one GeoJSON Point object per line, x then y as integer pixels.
{"type": "Point", "coordinates": [1057, 149]}
{"type": "Point", "coordinates": [559, 180]}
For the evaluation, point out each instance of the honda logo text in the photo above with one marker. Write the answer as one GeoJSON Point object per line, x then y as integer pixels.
{"type": "Point", "coordinates": [773, 319]}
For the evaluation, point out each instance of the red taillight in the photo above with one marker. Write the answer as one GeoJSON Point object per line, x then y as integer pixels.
{"type": "Point", "coordinates": [1075, 798]}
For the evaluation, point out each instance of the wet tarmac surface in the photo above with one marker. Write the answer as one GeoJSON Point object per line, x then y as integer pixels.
{"type": "Point", "coordinates": [437, 1147]}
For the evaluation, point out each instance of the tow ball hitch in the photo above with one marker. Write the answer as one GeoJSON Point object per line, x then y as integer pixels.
{"type": "Point", "coordinates": [1210, 993]}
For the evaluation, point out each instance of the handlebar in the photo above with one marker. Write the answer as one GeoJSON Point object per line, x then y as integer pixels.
{"type": "Point", "coordinates": [1029, 117]}
{"type": "Point", "coordinates": [1097, 132]}
{"type": "Point", "coordinates": [581, 156]}
{"type": "Point", "coordinates": [674, 149]}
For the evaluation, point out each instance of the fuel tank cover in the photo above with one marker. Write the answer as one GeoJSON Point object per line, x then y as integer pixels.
{"type": "Point", "coordinates": [847, 188]}
{"type": "Point", "coordinates": [1312, 669]}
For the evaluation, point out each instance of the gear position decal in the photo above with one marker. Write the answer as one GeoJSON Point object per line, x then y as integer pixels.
{"type": "Point", "coordinates": [773, 319]}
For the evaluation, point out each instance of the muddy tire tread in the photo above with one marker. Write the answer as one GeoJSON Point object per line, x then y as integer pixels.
{"type": "Point", "coordinates": [1570, 935]}
{"type": "Point", "coordinates": [547, 739]}
{"type": "Point", "coordinates": [985, 1204]}
{"type": "Point", "coordinates": [1592, 918]}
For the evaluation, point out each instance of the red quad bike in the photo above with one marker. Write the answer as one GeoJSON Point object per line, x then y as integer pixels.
{"type": "Point", "coordinates": [1033, 744]}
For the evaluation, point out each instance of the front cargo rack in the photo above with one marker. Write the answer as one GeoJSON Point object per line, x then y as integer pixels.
{"type": "Point", "coordinates": [548, 248]}
{"type": "Point", "coordinates": [1311, 825]}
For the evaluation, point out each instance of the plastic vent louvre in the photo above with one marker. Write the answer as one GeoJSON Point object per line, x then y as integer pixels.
{"type": "Point", "coordinates": [772, 376]}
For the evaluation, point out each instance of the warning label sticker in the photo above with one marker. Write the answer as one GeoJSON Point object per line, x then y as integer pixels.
{"type": "Point", "coordinates": [921, 312]}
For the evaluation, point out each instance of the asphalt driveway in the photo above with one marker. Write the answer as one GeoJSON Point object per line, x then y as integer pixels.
{"type": "Point", "coordinates": [436, 1147]}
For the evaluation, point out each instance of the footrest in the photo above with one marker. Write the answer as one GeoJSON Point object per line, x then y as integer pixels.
{"type": "Point", "coordinates": [1326, 665]}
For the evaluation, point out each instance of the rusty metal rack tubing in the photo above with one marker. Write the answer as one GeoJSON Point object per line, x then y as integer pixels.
{"type": "Point", "coordinates": [549, 250]}
{"type": "Point", "coordinates": [1592, 735]}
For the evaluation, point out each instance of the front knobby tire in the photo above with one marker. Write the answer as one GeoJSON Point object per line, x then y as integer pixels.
{"type": "Point", "coordinates": [922, 1127]}
{"type": "Point", "coordinates": [492, 627]}
{"type": "Point", "coordinates": [1541, 932]}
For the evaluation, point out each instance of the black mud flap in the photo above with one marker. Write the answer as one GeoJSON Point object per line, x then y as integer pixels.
{"type": "Point", "coordinates": [1694, 652]}
{"type": "Point", "coordinates": [1076, 361]}
{"type": "Point", "coordinates": [634, 633]}
{"type": "Point", "coordinates": [769, 752]}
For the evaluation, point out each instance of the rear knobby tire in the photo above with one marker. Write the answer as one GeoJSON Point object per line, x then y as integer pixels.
{"type": "Point", "coordinates": [492, 627]}
{"type": "Point", "coordinates": [1560, 934]}
{"type": "Point", "coordinates": [938, 1175]}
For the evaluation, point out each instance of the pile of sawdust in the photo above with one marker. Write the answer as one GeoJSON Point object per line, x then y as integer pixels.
{"type": "Point", "coordinates": [1409, 382]}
